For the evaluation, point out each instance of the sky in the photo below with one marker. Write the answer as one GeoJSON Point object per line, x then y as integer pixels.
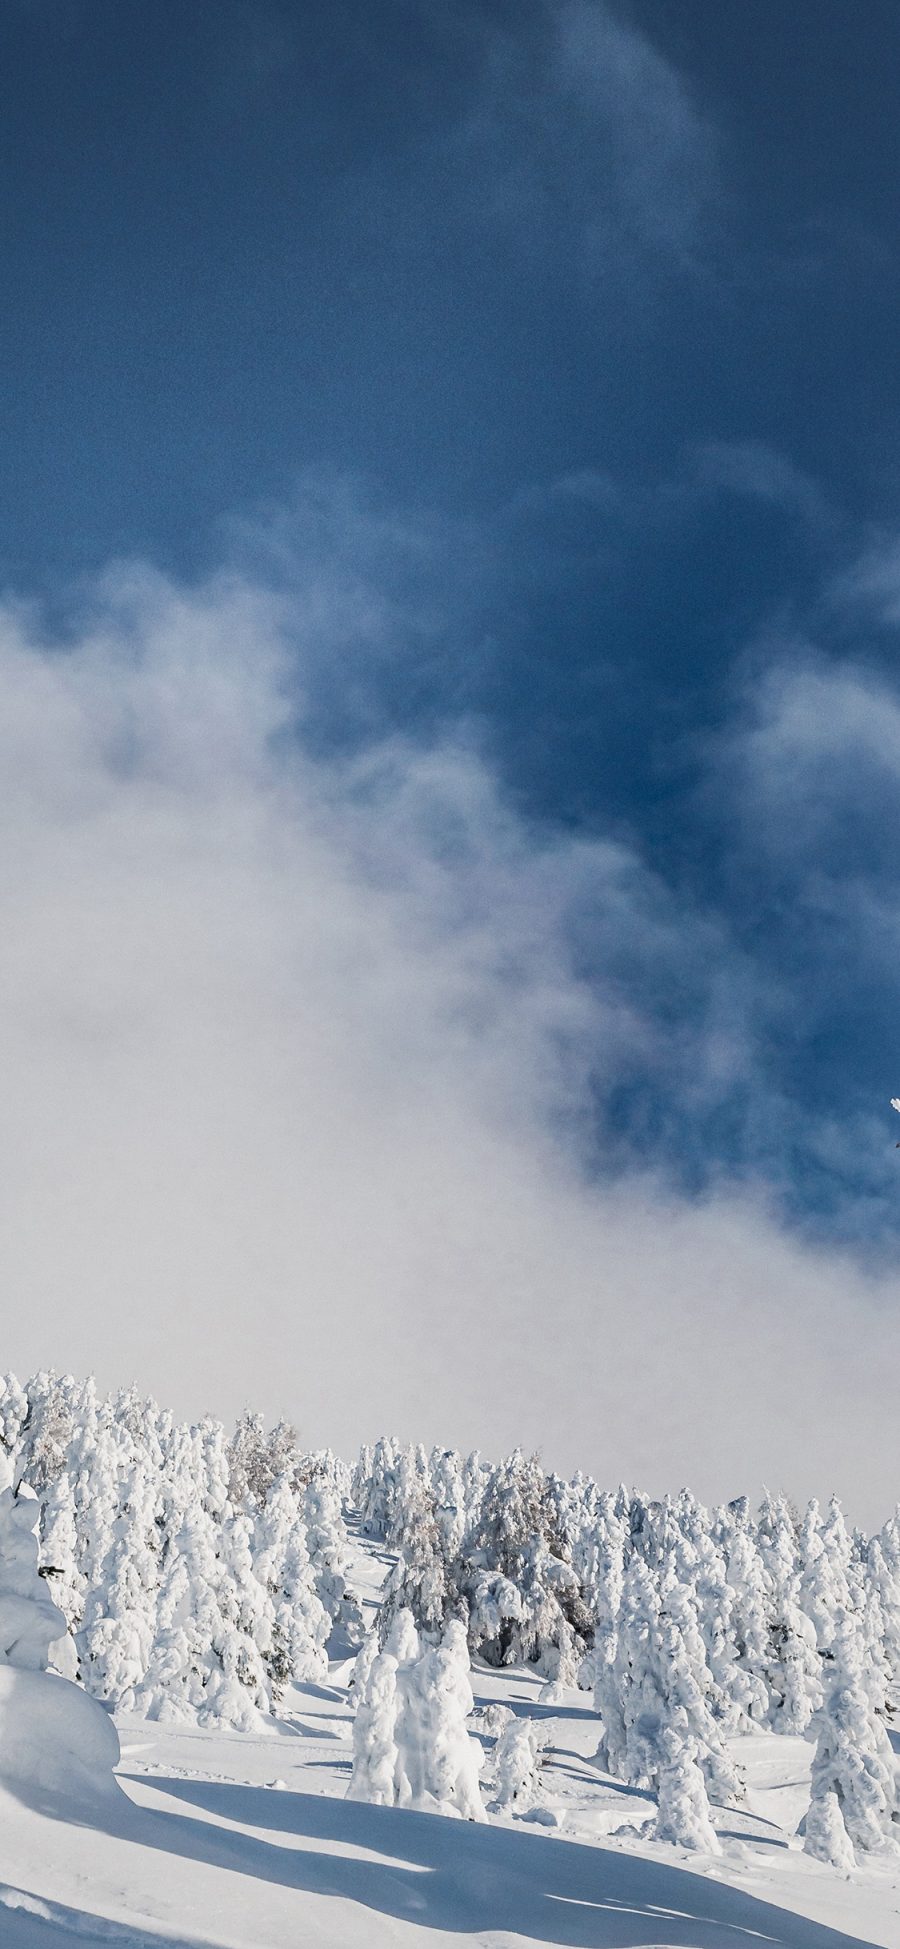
{"type": "Point", "coordinates": [449, 610]}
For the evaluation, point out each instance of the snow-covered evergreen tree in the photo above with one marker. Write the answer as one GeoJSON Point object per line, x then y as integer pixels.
{"type": "Point", "coordinates": [657, 1683]}
{"type": "Point", "coordinates": [418, 1582]}
{"type": "Point", "coordinates": [852, 1804]}
{"type": "Point", "coordinates": [59, 1551]}
{"type": "Point", "coordinates": [683, 1818]}
{"type": "Point", "coordinates": [375, 1494]}
{"type": "Point", "coordinates": [412, 1504]}
{"type": "Point", "coordinates": [794, 1666]}
{"type": "Point", "coordinates": [751, 1624]}
{"type": "Point", "coordinates": [116, 1633]}
{"type": "Point", "coordinates": [448, 1498]}
{"type": "Point", "coordinates": [362, 1665]}
{"type": "Point", "coordinates": [517, 1766]}
{"type": "Point", "coordinates": [374, 1776]}
{"type": "Point", "coordinates": [56, 1742]}
{"type": "Point", "coordinates": [438, 1760]}
{"type": "Point", "coordinates": [301, 1625]}
{"type": "Point", "coordinates": [14, 1407]}
{"type": "Point", "coordinates": [30, 1622]}
{"type": "Point", "coordinates": [328, 1551]}
{"type": "Point", "coordinates": [256, 1457]}
{"type": "Point", "coordinates": [882, 1586]}
{"type": "Point", "coordinates": [824, 1587]}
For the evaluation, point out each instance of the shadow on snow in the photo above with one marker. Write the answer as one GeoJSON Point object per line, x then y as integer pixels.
{"type": "Point", "coordinates": [29, 1923]}
{"type": "Point", "coordinates": [465, 1878]}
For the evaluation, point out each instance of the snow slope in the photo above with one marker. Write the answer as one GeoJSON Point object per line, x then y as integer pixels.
{"type": "Point", "coordinates": [245, 1841]}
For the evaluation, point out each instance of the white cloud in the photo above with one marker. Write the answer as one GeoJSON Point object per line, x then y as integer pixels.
{"type": "Point", "coordinates": [588, 484]}
{"type": "Point", "coordinates": [662, 147]}
{"type": "Point", "coordinates": [582, 128]}
{"type": "Point", "coordinates": [293, 1057]}
{"type": "Point", "coordinates": [814, 763]}
{"type": "Point", "coordinates": [873, 581]}
{"type": "Point", "coordinates": [754, 469]}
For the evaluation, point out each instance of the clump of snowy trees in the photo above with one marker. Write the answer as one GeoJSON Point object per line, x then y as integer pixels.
{"type": "Point", "coordinates": [197, 1574]}
{"type": "Point", "coordinates": [689, 1625]}
{"type": "Point", "coordinates": [484, 1545]}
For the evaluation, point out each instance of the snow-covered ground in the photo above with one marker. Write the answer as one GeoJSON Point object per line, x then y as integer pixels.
{"type": "Point", "coordinates": [246, 1840]}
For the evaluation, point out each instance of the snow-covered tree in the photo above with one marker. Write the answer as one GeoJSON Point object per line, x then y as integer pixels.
{"type": "Point", "coordinates": [852, 1804]}
{"type": "Point", "coordinates": [327, 1543]}
{"type": "Point", "coordinates": [825, 1554]}
{"type": "Point", "coordinates": [751, 1625]}
{"type": "Point", "coordinates": [56, 1740]}
{"type": "Point", "coordinates": [794, 1665]}
{"type": "Point", "coordinates": [882, 1575]}
{"type": "Point", "coordinates": [30, 1622]}
{"type": "Point", "coordinates": [448, 1498]}
{"type": "Point", "coordinates": [411, 1746]}
{"type": "Point", "coordinates": [517, 1765]}
{"type": "Point", "coordinates": [257, 1457]}
{"type": "Point", "coordinates": [379, 1704]}
{"type": "Point", "coordinates": [418, 1582]}
{"type": "Point", "coordinates": [375, 1493]}
{"type": "Point", "coordinates": [117, 1628]}
{"type": "Point", "coordinates": [524, 1602]}
{"type": "Point", "coordinates": [438, 1760]}
{"type": "Point", "coordinates": [374, 1774]}
{"type": "Point", "coordinates": [14, 1407]}
{"type": "Point", "coordinates": [657, 1683]}
{"type": "Point", "coordinates": [59, 1551]}
{"type": "Point", "coordinates": [301, 1625]}
{"type": "Point", "coordinates": [47, 1430]}
{"type": "Point", "coordinates": [683, 1817]}
{"type": "Point", "coordinates": [204, 1662]}
{"type": "Point", "coordinates": [514, 1509]}
{"type": "Point", "coordinates": [412, 1503]}
{"type": "Point", "coordinates": [362, 1665]}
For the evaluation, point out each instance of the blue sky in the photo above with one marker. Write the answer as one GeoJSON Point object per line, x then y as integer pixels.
{"type": "Point", "coordinates": [531, 369]}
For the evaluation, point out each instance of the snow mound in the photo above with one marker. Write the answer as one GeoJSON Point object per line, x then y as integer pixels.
{"type": "Point", "coordinates": [57, 1746]}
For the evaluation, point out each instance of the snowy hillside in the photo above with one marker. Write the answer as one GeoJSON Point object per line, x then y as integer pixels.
{"type": "Point", "coordinates": [431, 1700]}
{"type": "Point", "coordinates": [246, 1840]}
